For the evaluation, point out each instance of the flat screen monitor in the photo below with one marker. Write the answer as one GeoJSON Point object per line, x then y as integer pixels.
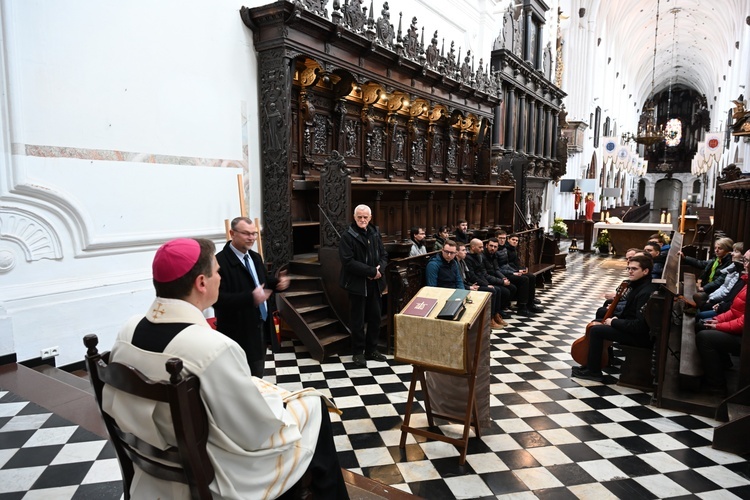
{"type": "Point", "coordinates": [567, 185]}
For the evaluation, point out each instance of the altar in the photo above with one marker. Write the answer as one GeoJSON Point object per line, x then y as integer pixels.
{"type": "Point", "coordinates": [630, 234]}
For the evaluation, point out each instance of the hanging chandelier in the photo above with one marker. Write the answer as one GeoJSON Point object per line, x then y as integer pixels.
{"type": "Point", "coordinates": [673, 130]}
{"type": "Point", "coordinates": [649, 133]}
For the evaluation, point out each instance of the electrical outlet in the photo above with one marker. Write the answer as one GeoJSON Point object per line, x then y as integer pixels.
{"type": "Point", "coordinates": [50, 352]}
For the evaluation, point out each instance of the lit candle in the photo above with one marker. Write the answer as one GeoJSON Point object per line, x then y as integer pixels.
{"type": "Point", "coordinates": [682, 216]}
{"type": "Point", "coordinates": [669, 217]}
{"type": "Point", "coordinates": [662, 218]}
{"type": "Point", "coordinates": [601, 214]}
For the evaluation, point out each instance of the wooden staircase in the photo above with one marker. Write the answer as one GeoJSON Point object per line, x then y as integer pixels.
{"type": "Point", "coordinates": [306, 309]}
{"type": "Point", "coordinates": [735, 411]}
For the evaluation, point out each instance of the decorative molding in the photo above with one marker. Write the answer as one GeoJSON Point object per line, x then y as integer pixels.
{"type": "Point", "coordinates": [35, 236]}
{"type": "Point", "coordinates": [46, 151]}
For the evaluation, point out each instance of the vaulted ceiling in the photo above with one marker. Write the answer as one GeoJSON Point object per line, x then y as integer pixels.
{"type": "Point", "coordinates": [704, 33]}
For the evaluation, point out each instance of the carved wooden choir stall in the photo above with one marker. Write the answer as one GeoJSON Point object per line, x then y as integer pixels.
{"type": "Point", "coordinates": [353, 110]}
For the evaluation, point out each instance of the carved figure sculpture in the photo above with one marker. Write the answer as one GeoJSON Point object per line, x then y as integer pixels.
{"type": "Point", "coordinates": [433, 55]}
{"type": "Point", "coordinates": [384, 28]}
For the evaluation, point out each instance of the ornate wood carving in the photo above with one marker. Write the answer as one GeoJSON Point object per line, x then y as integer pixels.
{"type": "Point", "coordinates": [275, 119]}
{"type": "Point", "coordinates": [335, 199]}
{"type": "Point", "coordinates": [396, 110]}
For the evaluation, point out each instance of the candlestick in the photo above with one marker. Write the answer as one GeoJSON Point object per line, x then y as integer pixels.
{"type": "Point", "coordinates": [601, 216]}
{"type": "Point", "coordinates": [682, 216]}
{"type": "Point", "coordinates": [669, 217]}
{"type": "Point", "coordinates": [607, 217]}
{"type": "Point", "coordinates": [662, 218]}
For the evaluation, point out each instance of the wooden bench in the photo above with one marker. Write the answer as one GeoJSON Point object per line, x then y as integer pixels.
{"type": "Point", "coordinates": [531, 251]}
{"type": "Point", "coordinates": [636, 367]}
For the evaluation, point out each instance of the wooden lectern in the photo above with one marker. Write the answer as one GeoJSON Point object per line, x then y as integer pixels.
{"type": "Point", "coordinates": [450, 360]}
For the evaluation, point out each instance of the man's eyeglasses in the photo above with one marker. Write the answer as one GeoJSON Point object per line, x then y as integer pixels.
{"type": "Point", "coordinates": [633, 269]}
{"type": "Point", "coordinates": [448, 252]}
{"type": "Point", "coordinates": [745, 260]}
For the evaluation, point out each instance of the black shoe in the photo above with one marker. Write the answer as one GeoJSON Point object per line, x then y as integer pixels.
{"type": "Point", "coordinates": [535, 308]}
{"type": "Point", "coordinates": [586, 374]}
{"type": "Point", "coordinates": [375, 356]}
{"type": "Point", "coordinates": [537, 301]}
{"type": "Point", "coordinates": [359, 360]}
{"type": "Point", "coordinates": [506, 314]}
{"type": "Point", "coordinates": [523, 311]}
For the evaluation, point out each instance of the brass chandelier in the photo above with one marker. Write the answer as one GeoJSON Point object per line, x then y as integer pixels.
{"type": "Point", "coordinates": [649, 133]}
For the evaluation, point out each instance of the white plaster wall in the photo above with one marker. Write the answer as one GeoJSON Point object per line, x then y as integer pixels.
{"type": "Point", "coordinates": [124, 125]}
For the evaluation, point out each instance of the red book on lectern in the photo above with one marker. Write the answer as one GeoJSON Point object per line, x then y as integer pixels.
{"type": "Point", "coordinates": [420, 306]}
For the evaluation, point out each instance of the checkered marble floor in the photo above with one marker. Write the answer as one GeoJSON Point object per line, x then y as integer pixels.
{"type": "Point", "coordinates": [551, 436]}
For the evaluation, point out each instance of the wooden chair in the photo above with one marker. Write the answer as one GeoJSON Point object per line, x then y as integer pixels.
{"type": "Point", "coordinates": [192, 466]}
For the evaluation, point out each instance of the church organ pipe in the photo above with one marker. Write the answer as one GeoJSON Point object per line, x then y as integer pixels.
{"type": "Point", "coordinates": [510, 113]}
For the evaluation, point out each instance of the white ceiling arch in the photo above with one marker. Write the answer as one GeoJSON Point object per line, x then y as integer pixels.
{"type": "Point", "coordinates": [704, 41]}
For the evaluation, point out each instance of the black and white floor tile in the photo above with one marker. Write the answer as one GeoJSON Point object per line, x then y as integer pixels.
{"type": "Point", "coordinates": [551, 437]}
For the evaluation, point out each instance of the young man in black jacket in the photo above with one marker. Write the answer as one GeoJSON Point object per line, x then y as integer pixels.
{"type": "Point", "coordinates": [363, 261]}
{"type": "Point", "coordinates": [630, 327]}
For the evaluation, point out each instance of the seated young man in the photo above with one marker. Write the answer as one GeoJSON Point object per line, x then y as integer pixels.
{"type": "Point", "coordinates": [609, 296]}
{"type": "Point", "coordinates": [417, 242]}
{"type": "Point", "coordinates": [496, 262]}
{"type": "Point", "coordinates": [261, 438]}
{"type": "Point", "coordinates": [653, 249]}
{"type": "Point", "coordinates": [474, 282]}
{"type": "Point", "coordinates": [503, 287]}
{"type": "Point", "coordinates": [442, 270]}
{"type": "Point", "coordinates": [629, 327]}
{"type": "Point", "coordinates": [462, 232]}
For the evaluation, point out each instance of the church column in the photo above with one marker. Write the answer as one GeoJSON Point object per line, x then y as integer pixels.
{"type": "Point", "coordinates": [510, 112]}
{"type": "Point", "coordinates": [497, 126]}
{"type": "Point", "coordinates": [553, 134]}
{"type": "Point", "coordinates": [548, 133]}
{"type": "Point", "coordinates": [540, 49]}
{"type": "Point", "coordinates": [521, 139]}
{"type": "Point", "coordinates": [527, 56]}
{"type": "Point", "coordinates": [539, 129]}
{"type": "Point", "coordinates": [531, 127]}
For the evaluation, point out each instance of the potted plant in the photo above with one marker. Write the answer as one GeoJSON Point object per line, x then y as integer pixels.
{"type": "Point", "coordinates": [559, 229]}
{"type": "Point", "coordinates": [602, 242]}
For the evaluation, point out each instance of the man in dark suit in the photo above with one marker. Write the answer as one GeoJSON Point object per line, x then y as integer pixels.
{"type": "Point", "coordinates": [242, 310]}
